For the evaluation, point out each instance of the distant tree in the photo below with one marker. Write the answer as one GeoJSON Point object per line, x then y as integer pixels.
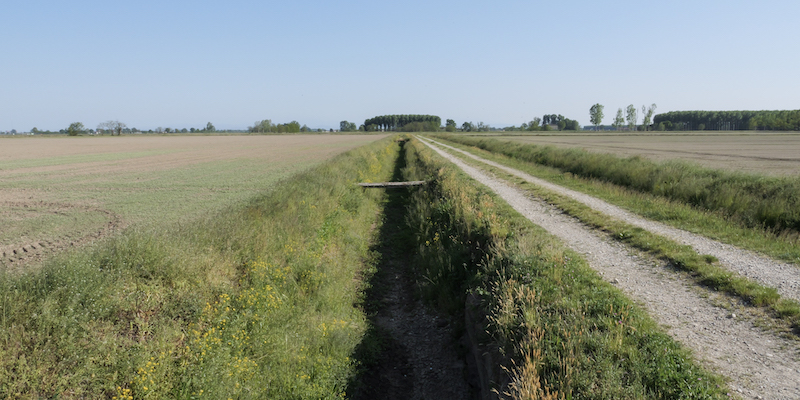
{"type": "Point", "coordinates": [572, 125]}
{"type": "Point", "coordinates": [535, 124]}
{"type": "Point", "coordinates": [619, 120]}
{"type": "Point", "coordinates": [191, 130]}
{"type": "Point", "coordinates": [345, 126]}
{"type": "Point", "coordinates": [730, 120]}
{"type": "Point", "coordinates": [75, 128]}
{"type": "Point", "coordinates": [648, 115]}
{"type": "Point", "coordinates": [596, 115]}
{"type": "Point", "coordinates": [290, 127]}
{"type": "Point", "coordinates": [562, 124]}
{"type": "Point", "coordinates": [111, 127]}
{"type": "Point", "coordinates": [552, 119]}
{"type": "Point", "coordinates": [35, 130]}
{"type": "Point", "coordinates": [467, 127]}
{"type": "Point", "coordinates": [481, 127]}
{"type": "Point", "coordinates": [631, 117]}
{"type": "Point", "coordinates": [210, 127]}
{"type": "Point", "coordinates": [262, 126]}
{"type": "Point", "coordinates": [450, 126]}
{"type": "Point", "coordinates": [398, 121]}
{"type": "Point", "coordinates": [421, 126]}
{"type": "Point", "coordinates": [305, 128]}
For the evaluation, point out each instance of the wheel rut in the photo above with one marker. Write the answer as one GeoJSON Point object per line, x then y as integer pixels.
{"type": "Point", "coordinates": [17, 257]}
{"type": "Point", "coordinates": [759, 363]}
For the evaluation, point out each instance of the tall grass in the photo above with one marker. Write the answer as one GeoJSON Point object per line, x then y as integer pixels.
{"type": "Point", "coordinates": [756, 201]}
{"type": "Point", "coordinates": [557, 329]}
{"type": "Point", "coordinates": [254, 302]}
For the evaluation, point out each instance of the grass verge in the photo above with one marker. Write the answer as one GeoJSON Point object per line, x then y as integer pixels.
{"type": "Point", "coordinates": [557, 328]}
{"type": "Point", "coordinates": [253, 302]}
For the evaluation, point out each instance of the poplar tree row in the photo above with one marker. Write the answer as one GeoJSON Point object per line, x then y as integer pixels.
{"type": "Point", "coordinates": [785, 120]}
{"type": "Point", "coordinates": [399, 121]}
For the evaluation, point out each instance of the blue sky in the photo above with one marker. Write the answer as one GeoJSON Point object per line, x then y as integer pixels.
{"type": "Point", "coordinates": [184, 63]}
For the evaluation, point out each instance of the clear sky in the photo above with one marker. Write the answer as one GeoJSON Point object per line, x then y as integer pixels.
{"type": "Point", "coordinates": [184, 63]}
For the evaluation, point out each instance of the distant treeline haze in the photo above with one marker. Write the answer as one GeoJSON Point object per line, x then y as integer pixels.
{"type": "Point", "coordinates": [403, 122]}
{"type": "Point", "coordinates": [787, 120]}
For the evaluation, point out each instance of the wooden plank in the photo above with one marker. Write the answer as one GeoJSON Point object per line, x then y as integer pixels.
{"type": "Point", "coordinates": [392, 184]}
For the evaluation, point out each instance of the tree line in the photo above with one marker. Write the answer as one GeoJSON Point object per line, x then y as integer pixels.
{"type": "Point", "coordinates": [627, 120]}
{"type": "Point", "coordinates": [546, 123]}
{"type": "Point", "coordinates": [779, 120]}
{"type": "Point", "coordinates": [117, 128]}
{"type": "Point", "coordinates": [403, 122]}
{"type": "Point", "coordinates": [266, 126]}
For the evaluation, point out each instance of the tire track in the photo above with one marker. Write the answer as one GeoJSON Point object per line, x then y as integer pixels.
{"type": "Point", "coordinates": [759, 364]}
{"type": "Point", "coordinates": [18, 256]}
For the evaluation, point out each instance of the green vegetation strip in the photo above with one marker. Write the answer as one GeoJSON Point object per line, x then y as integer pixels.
{"type": "Point", "coordinates": [555, 328]}
{"type": "Point", "coordinates": [771, 203]}
{"type": "Point", "coordinates": [258, 301]}
{"type": "Point", "coordinates": [703, 268]}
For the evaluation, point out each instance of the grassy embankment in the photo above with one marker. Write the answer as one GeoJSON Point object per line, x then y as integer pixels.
{"type": "Point", "coordinates": [555, 327]}
{"type": "Point", "coordinates": [253, 302]}
{"type": "Point", "coordinates": [722, 224]}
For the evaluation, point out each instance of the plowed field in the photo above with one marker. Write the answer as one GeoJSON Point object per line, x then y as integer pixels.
{"type": "Point", "coordinates": [766, 153]}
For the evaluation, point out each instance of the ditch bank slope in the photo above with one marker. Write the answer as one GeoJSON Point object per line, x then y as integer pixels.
{"type": "Point", "coordinates": [759, 364]}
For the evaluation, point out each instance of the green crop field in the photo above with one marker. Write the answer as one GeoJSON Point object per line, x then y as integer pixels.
{"type": "Point", "coordinates": [768, 153]}
{"type": "Point", "coordinates": [56, 192]}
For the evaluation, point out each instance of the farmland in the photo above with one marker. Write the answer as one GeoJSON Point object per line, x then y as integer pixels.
{"type": "Point", "coordinates": [55, 192]}
{"type": "Point", "coordinates": [265, 287]}
{"type": "Point", "coordinates": [767, 153]}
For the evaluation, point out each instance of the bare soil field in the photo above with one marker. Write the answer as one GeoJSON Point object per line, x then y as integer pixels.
{"type": "Point", "coordinates": [59, 192]}
{"type": "Point", "coordinates": [765, 153]}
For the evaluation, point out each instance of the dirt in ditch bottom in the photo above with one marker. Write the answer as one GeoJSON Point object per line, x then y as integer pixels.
{"type": "Point", "coordinates": [410, 351]}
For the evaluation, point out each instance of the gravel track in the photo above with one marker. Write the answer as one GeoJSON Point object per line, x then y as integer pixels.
{"type": "Point", "coordinates": [760, 364]}
{"type": "Point", "coordinates": [766, 271]}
